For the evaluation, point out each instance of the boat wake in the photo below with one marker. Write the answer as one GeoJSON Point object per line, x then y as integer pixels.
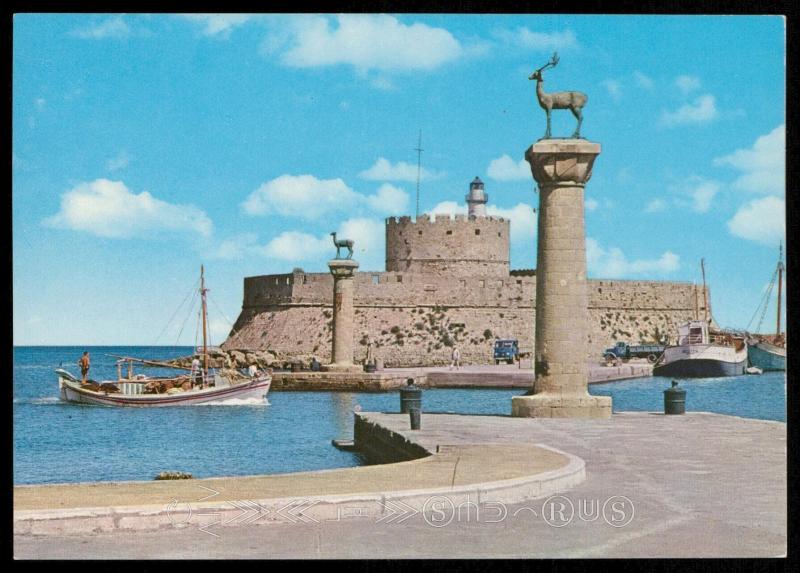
{"type": "Point", "coordinates": [44, 400]}
{"type": "Point", "coordinates": [236, 402]}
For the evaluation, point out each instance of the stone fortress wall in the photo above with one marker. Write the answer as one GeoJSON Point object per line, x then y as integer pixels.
{"type": "Point", "coordinates": [447, 283]}
{"type": "Point", "coordinates": [459, 245]}
{"type": "Point", "coordinates": [416, 318]}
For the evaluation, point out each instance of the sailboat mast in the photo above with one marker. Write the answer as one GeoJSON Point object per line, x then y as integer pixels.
{"type": "Point", "coordinates": [696, 304]}
{"type": "Point", "coordinates": [780, 284]}
{"type": "Point", "coordinates": [705, 295]}
{"type": "Point", "coordinates": [205, 310]}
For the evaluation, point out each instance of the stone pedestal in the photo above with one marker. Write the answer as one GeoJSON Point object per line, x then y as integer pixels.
{"type": "Point", "coordinates": [561, 167]}
{"type": "Point", "coordinates": [343, 271]}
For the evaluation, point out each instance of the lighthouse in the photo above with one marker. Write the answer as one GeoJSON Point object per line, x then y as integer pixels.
{"type": "Point", "coordinates": [477, 198]}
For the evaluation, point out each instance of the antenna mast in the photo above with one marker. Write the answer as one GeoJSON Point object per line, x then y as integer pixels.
{"type": "Point", "coordinates": [705, 295]}
{"type": "Point", "coordinates": [780, 284]}
{"type": "Point", "coordinates": [203, 291]}
{"type": "Point", "coordinates": [419, 150]}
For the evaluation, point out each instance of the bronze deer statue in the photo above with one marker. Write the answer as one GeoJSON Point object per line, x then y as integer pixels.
{"type": "Point", "coordinates": [339, 243]}
{"type": "Point", "coordinates": [573, 101]}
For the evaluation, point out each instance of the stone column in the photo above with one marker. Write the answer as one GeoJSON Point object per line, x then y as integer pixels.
{"type": "Point", "coordinates": [343, 271]}
{"type": "Point", "coordinates": [561, 167]}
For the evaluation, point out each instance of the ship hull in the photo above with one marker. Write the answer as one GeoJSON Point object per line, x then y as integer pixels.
{"type": "Point", "coordinates": [767, 356]}
{"type": "Point", "coordinates": [702, 361]}
{"type": "Point", "coordinates": [71, 391]}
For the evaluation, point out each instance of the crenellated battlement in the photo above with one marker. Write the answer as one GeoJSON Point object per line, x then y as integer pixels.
{"type": "Point", "coordinates": [457, 245]}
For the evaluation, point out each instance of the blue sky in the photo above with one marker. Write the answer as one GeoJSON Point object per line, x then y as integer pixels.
{"type": "Point", "coordinates": [145, 145]}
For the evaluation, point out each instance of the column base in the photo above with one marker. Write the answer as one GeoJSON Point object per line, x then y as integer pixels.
{"type": "Point", "coordinates": [340, 367]}
{"type": "Point", "coordinates": [561, 406]}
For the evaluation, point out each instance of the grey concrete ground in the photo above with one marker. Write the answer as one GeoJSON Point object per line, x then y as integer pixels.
{"type": "Point", "coordinates": [700, 485]}
{"type": "Point", "coordinates": [512, 376]}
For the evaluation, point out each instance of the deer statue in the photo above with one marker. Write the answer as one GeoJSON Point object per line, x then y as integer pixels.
{"type": "Point", "coordinates": [339, 243]}
{"type": "Point", "coordinates": [573, 101]}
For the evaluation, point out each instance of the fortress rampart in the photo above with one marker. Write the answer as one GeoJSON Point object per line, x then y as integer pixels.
{"type": "Point", "coordinates": [447, 282]}
{"type": "Point", "coordinates": [459, 245]}
{"type": "Point", "coordinates": [416, 318]}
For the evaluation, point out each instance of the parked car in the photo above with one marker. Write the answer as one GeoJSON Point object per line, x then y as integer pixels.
{"type": "Point", "coordinates": [506, 349]}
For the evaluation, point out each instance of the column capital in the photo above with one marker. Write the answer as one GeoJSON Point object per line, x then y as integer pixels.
{"type": "Point", "coordinates": [342, 268]}
{"type": "Point", "coordinates": [562, 162]}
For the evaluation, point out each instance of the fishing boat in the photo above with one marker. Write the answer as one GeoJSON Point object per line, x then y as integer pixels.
{"type": "Point", "coordinates": [703, 351]}
{"type": "Point", "coordinates": [198, 386]}
{"type": "Point", "coordinates": [769, 352]}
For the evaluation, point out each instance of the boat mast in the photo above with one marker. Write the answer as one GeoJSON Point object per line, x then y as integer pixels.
{"type": "Point", "coordinates": [205, 310]}
{"type": "Point", "coordinates": [780, 284]}
{"type": "Point", "coordinates": [696, 304]}
{"type": "Point", "coordinates": [705, 296]}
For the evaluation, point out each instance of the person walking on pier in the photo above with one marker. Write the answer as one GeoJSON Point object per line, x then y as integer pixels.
{"type": "Point", "coordinates": [84, 363]}
{"type": "Point", "coordinates": [456, 359]}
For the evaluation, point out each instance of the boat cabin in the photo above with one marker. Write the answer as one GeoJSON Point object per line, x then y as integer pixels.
{"type": "Point", "coordinates": [698, 332]}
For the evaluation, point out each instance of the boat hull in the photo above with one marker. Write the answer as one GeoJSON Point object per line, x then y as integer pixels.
{"type": "Point", "coordinates": [702, 361]}
{"type": "Point", "coordinates": [257, 388]}
{"type": "Point", "coordinates": [767, 356]}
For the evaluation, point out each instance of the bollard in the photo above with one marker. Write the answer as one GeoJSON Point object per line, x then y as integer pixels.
{"type": "Point", "coordinates": [410, 397]}
{"type": "Point", "coordinates": [674, 400]}
{"type": "Point", "coordinates": [415, 417]}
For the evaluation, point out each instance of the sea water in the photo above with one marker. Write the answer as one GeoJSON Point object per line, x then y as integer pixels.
{"type": "Point", "coordinates": [55, 441]}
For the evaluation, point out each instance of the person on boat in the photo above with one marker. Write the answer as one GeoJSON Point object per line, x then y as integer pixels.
{"type": "Point", "coordinates": [196, 374]}
{"type": "Point", "coordinates": [252, 370]}
{"type": "Point", "coordinates": [84, 363]}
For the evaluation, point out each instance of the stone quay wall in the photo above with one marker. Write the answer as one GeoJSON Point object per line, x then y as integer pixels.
{"type": "Point", "coordinates": [415, 319]}
{"type": "Point", "coordinates": [459, 245]}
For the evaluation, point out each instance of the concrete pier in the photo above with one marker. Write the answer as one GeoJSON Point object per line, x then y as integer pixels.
{"type": "Point", "coordinates": [698, 485]}
{"type": "Point", "coordinates": [343, 271]}
{"type": "Point", "coordinates": [561, 168]}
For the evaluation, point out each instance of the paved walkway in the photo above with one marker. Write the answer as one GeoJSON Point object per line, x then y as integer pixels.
{"type": "Point", "coordinates": [512, 376]}
{"type": "Point", "coordinates": [699, 485]}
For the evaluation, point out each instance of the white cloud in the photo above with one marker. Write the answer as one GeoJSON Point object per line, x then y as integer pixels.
{"type": "Point", "coordinates": [506, 169]}
{"type": "Point", "coordinates": [218, 24]}
{"type": "Point", "coordinates": [761, 220]}
{"type": "Point", "coordinates": [522, 216]}
{"type": "Point", "coordinates": [591, 204]}
{"type": "Point", "coordinates": [703, 194]}
{"type": "Point", "coordinates": [302, 196]}
{"type": "Point", "coordinates": [389, 200]}
{"type": "Point", "coordinates": [40, 103]}
{"type": "Point", "coordinates": [702, 110]}
{"type": "Point", "coordinates": [368, 236]}
{"type": "Point", "coordinates": [525, 38]}
{"type": "Point", "coordinates": [121, 161]}
{"type": "Point", "coordinates": [643, 80]}
{"type": "Point", "coordinates": [384, 84]}
{"type": "Point", "coordinates": [233, 248]}
{"type": "Point", "coordinates": [700, 193]}
{"type": "Point", "coordinates": [687, 83]}
{"type": "Point", "coordinates": [655, 206]}
{"type": "Point", "coordinates": [367, 42]}
{"type": "Point", "coordinates": [612, 263]}
{"type": "Point", "coordinates": [614, 89]}
{"type": "Point", "coordinates": [297, 246]}
{"type": "Point", "coordinates": [111, 28]}
{"type": "Point", "coordinates": [108, 209]}
{"type": "Point", "coordinates": [762, 165]}
{"type": "Point", "coordinates": [384, 170]}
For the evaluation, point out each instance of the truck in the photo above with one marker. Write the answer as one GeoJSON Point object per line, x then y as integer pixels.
{"type": "Point", "coordinates": [622, 351]}
{"type": "Point", "coordinates": [506, 349]}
